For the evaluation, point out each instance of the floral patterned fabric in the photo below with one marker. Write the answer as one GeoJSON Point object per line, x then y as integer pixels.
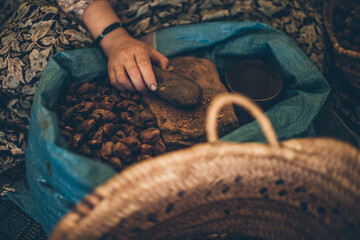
{"type": "Point", "coordinates": [39, 29]}
{"type": "Point", "coordinates": [75, 7]}
{"type": "Point", "coordinates": [32, 34]}
{"type": "Point", "coordinates": [7, 7]}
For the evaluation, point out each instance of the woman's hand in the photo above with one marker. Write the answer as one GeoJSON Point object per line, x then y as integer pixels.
{"type": "Point", "coordinates": [130, 62]}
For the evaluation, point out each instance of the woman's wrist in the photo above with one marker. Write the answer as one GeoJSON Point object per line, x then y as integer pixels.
{"type": "Point", "coordinates": [109, 40]}
{"type": "Point", "coordinates": [98, 16]}
{"type": "Point", "coordinates": [108, 30]}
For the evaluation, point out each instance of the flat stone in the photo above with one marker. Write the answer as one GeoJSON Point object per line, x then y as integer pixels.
{"type": "Point", "coordinates": [181, 127]}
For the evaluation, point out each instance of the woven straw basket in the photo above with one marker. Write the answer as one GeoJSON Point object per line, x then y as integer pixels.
{"type": "Point", "coordinates": [348, 61]}
{"type": "Point", "coordinates": [297, 189]}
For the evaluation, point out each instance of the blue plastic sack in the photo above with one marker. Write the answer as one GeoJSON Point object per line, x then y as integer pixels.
{"type": "Point", "coordinates": [58, 178]}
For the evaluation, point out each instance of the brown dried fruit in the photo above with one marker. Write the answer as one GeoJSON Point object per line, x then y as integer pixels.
{"type": "Point", "coordinates": [135, 97]}
{"type": "Point", "coordinates": [125, 104]}
{"type": "Point", "coordinates": [94, 142]}
{"type": "Point", "coordinates": [147, 116]}
{"type": "Point", "coordinates": [122, 126]}
{"type": "Point", "coordinates": [132, 142]}
{"type": "Point", "coordinates": [97, 138]}
{"type": "Point", "coordinates": [120, 133]}
{"type": "Point", "coordinates": [149, 135]}
{"type": "Point", "coordinates": [159, 147]}
{"type": "Point", "coordinates": [79, 106]}
{"type": "Point", "coordinates": [90, 105]}
{"type": "Point", "coordinates": [125, 95]}
{"type": "Point", "coordinates": [78, 138]}
{"type": "Point", "coordinates": [87, 126]}
{"type": "Point", "coordinates": [103, 115]}
{"type": "Point", "coordinates": [115, 97]}
{"type": "Point", "coordinates": [116, 163]}
{"type": "Point", "coordinates": [132, 132]}
{"type": "Point", "coordinates": [108, 129]}
{"type": "Point", "coordinates": [101, 91]}
{"type": "Point", "coordinates": [133, 109]}
{"type": "Point", "coordinates": [115, 139]}
{"type": "Point", "coordinates": [134, 121]}
{"type": "Point", "coordinates": [146, 149]}
{"type": "Point", "coordinates": [69, 129]}
{"type": "Point", "coordinates": [78, 118]}
{"type": "Point", "coordinates": [124, 116]}
{"type": "Point", "coordinates": [88, 97]}
{"type": "Point", "coordinates": [107, 149]}
{"type": "Point", "coordinates": [151, 124]}
{"type": "Point", "coordinates": [122, 151]}
{"type": "Point", "coordinates": [106, 103]}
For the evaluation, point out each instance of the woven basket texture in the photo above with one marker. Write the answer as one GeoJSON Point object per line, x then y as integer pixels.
{"type": "Point", "coordinates": [348, 61]}
{"type": "Point", "coordinates": [296, 189]}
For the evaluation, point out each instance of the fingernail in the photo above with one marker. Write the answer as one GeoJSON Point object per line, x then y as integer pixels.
{"type": "Point", "coordinates": [153, 87]}
{"type": "Point", "coordinates": [169, 68]}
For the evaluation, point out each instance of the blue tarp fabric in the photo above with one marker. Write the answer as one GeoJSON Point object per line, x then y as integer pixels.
{"type": "Point", "coordinates": [58, 178]}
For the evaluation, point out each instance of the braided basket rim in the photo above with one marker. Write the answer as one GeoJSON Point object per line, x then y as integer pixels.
{"type": "Point", "coordinates": [73, 225]}
{"type": "Point", "coordinates": [328, 22]}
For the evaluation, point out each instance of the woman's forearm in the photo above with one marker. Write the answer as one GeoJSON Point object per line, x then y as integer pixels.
{"type": "Point", "coordinates": [99, 15]}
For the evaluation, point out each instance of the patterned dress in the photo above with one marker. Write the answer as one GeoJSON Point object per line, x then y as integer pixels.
{"type": "Point", "coordinates": [41, 28]}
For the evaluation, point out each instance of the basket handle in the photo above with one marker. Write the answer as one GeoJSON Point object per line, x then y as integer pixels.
{"type": "Point", "coordinates": [227, 98]}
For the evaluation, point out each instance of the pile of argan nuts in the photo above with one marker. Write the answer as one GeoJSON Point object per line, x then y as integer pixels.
{"type": "Point", "coordinates": [346, 22]}
{"type": "Point", "coordinates": [107, 125]}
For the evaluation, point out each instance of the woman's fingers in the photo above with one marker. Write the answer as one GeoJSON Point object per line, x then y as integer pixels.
{"type": "Point", "coordinates": [123, 80]}
{"type": "Point", "coordinates": [145, 67]}
{"type": "Point", "coordinates": [159, 59]}
{"type": "Point", "coordinates": [113, 81]}
{"type": "Point", "coordinates": [135, 76]}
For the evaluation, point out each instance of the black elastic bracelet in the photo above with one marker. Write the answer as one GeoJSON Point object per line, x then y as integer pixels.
{"type": "Point", "coordinates": [110, 28]}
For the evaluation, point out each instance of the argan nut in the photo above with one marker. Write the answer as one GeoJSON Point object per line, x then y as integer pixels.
{"type": "Point", "coordinates": [159, 147]}
{"type": "Point", "coordinates": [146, 149]}
{"type": "Point", "coordinates": [147, 116]}
{"type": "Point", "coordinates": [108, 129]}
{"type": "Point", "coordinates": [87, 125]}
{"type": "Point", "coordinates": [120, 133]}
{"type": "Point", "coordinates": [149, 135]}
{"type": "Point", "coordinates": [121, 150]}
{"type": "Point", "coordinates": [116, 163]}
{"type": "Point", "coordinates": [107, 149]}
{"type": "Point", "coordinates": [103, 115]}
{"type": "Point", "coordinates": [132, 142]}
{"type": "Point", "coordinates": [78, 138]}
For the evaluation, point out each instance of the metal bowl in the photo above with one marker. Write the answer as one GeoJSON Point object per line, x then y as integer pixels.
{"type": "Point", "coordinates": [255, 79]}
